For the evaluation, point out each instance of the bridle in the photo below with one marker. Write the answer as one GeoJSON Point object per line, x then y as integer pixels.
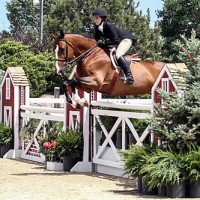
{"type": "Point", "coordinates": [65, 49]}
{"type": "Point", "coordinates": [81, 57]}
{"type": "Point", "coordinates": [78, 58]}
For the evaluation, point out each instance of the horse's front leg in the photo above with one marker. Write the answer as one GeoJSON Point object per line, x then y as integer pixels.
{"type": "Point", "coordinates": [67, 95]}
{"type": "Point", "coordinates": [87, 84]}
{"type": "Point", "coordinates": [78, 102]}
{"type": "Point", "coordinates": [75, 100]}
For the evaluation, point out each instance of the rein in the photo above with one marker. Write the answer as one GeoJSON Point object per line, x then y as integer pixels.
{"type": "Point", "coordinates": [83, 56]}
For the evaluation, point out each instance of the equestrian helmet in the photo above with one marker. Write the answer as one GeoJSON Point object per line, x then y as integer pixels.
{"type": "Point", "coordinates": [101, 12]}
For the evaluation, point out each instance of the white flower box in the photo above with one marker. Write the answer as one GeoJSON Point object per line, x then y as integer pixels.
{"type": "Point", "coordinates": [54, 166]}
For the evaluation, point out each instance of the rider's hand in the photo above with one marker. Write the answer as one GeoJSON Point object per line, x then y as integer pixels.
{"type": "Point", "coordinates": [101, 43]}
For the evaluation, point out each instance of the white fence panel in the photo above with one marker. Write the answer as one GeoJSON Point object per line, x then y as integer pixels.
{"type": "Point", "coordinates": [106, 156]}
{"type": "Point", "coordinates": [44, 114]}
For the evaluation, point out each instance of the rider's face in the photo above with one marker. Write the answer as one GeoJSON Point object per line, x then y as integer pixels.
{"type": "Point", "coordinates": [97, 20]}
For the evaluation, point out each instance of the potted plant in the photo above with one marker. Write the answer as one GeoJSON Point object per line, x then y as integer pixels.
{"type": "Point", "coordinates": [6, 139]}
{"type": "Point", "coordinates": [48, 147]}
{"type": "Point", "coordinates": [193, 171]}
{"type": "Point", "coordinates": [52, 158]}
{"type": "Point", "coordinates": [134, 159]}
{"type": "Point", "coordinates": [166, 169]}
{"type": "Point", "coordinates": [69, 144]}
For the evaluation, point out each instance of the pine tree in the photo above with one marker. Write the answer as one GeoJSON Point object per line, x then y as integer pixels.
{"type": "Point", "coordinates": [178, 122]}
{"type": "Point", "coordinates": [177, 17]}
{"type": "Point", "coordinates": [76, 16]}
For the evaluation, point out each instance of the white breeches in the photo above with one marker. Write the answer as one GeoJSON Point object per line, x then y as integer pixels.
{"type": "Point", "coordinates": [123, 47]}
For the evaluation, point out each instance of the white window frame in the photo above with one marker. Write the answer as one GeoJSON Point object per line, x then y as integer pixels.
{"type": "Point", "coordinates": [8, 116]}
{"type": "Point", "coordinates": [164, 86]}
{"type": "Point", "coordinates": [74, 123]}
{"type": "Point", "coordinates": [8, 88]}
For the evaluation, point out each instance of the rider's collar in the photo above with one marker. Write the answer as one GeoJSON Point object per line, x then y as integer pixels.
{"type": "Point", "coordinates": [100, 27]}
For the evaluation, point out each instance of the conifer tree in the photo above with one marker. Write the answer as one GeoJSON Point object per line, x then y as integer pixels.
{"type": "Point", "coordinates": [176, 18]}
{"type": "Point", "coordinates": [178, 122]}
{"type": "Point", "coordinates": [76, 16]}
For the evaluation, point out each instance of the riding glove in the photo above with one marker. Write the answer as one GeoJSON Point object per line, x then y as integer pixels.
{"type": "Point", "coordinates": [101, 43]}
{"type": "Point", "coordinates": [104, 43]}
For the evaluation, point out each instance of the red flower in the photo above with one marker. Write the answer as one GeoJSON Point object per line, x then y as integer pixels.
{"type": "Point", "coordinates": [49, 145]}
{"type": "Point", "coordinates": [53, 144]}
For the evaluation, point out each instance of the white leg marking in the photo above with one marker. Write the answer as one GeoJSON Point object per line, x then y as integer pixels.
{"type": "Point", "coordinates": [56, 55]}
{"type": "Point", "coordinates": [77, 100]}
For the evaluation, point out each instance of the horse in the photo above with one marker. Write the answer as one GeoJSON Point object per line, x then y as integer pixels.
{"type": "Point", "coordinates": [95, 71]}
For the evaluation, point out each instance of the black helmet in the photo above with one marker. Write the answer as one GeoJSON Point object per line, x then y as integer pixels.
{"type": "Point", "coordinates": [101, 12]}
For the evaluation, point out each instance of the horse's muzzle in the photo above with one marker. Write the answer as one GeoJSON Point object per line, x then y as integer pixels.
{"type": "Point", "coordinates": [61, 71]}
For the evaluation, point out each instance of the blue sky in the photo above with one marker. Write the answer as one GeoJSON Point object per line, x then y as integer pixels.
{"type": "Point", "coordinates": [144, 5]}
{"type": "Point", "coordinates": [153, 5]}
{"type": "Point", "coordinates": [4, 23]}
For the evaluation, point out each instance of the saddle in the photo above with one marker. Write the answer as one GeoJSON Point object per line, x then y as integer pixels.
{"type": "Point", "coordinates": [129, 58]}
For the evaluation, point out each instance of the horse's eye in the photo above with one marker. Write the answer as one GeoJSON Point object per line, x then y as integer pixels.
{"type": "Point", "coordinates": [62, 50]}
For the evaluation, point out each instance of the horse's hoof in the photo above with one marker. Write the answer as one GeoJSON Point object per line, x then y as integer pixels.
{"type": "Point", "coordinates": [86, 104]}
{"type": "Point", "coordinates": [83, 102]}
{"type": "Point", "coordinates": [78, 106]}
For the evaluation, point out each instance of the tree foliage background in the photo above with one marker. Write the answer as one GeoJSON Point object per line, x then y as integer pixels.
{"type": "Point", "coordinates": [24, 21]}
{"type": "Point", "coordinates": [177, 17]}
{"type": "Point", "coordinates": [38, 67]}
{"type": "Point", "coordinates": [177, 121]}
{"type": "Point", "coordinates": [75, 16]}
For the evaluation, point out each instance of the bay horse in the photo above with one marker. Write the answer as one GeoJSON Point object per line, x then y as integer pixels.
{"type": "Point", "coordinates": [95, 71]}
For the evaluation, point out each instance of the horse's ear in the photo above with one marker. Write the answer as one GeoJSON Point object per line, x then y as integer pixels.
{"type": "Point", "coordinates": [53, 36]}
{"type": "Point", "coordinates": [62, 34]}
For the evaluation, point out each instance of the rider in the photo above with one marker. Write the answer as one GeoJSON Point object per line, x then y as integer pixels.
{"type": "Point", "coordinates": [113, 35]}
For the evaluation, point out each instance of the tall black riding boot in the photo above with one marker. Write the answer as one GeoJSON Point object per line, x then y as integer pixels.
{"type": "Point", "coordinates": [126, 69]}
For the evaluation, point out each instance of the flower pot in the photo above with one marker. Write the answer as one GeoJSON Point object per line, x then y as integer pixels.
{"type": "Point", "coordinates": [177, 190]}
{"type": "Point", "coordinates": [47, 158]}
{"type": "Point", "coordinates": [162, 191]}
{"type": "Point", "coordinates": [139, 184]}
{"type": "Point", "coordinates": [68, 163]}
{"type": "Point", "coordinates": [146, 191]}
{"type": "Point", "coordinates": [4, 148]}
{"type": "Point", "coordinates": [54, 166]}
{"type": "Point", "coordinates": [194, 189]}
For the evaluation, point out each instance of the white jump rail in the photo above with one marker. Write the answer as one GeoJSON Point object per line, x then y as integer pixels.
{"type": "Point", "coordinates": [36, 112]}
{"type": "Point", "coordinates": [42, 109]}
{"type": "Point", "coordinates": [129, 104]}
{"type": "Point", "coordinates": [45, 113]}
{"type": "Point", "coordinates": [46, 100]}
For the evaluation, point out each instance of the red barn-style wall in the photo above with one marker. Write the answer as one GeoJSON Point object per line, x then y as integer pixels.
{"type": "Point", "coordinates": [167, 80]}
{"type": "Point", "coordinates": [14, 92]}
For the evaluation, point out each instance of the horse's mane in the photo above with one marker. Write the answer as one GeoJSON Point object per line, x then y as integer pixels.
{"type": "Point", "coordinates": [85, 35]}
